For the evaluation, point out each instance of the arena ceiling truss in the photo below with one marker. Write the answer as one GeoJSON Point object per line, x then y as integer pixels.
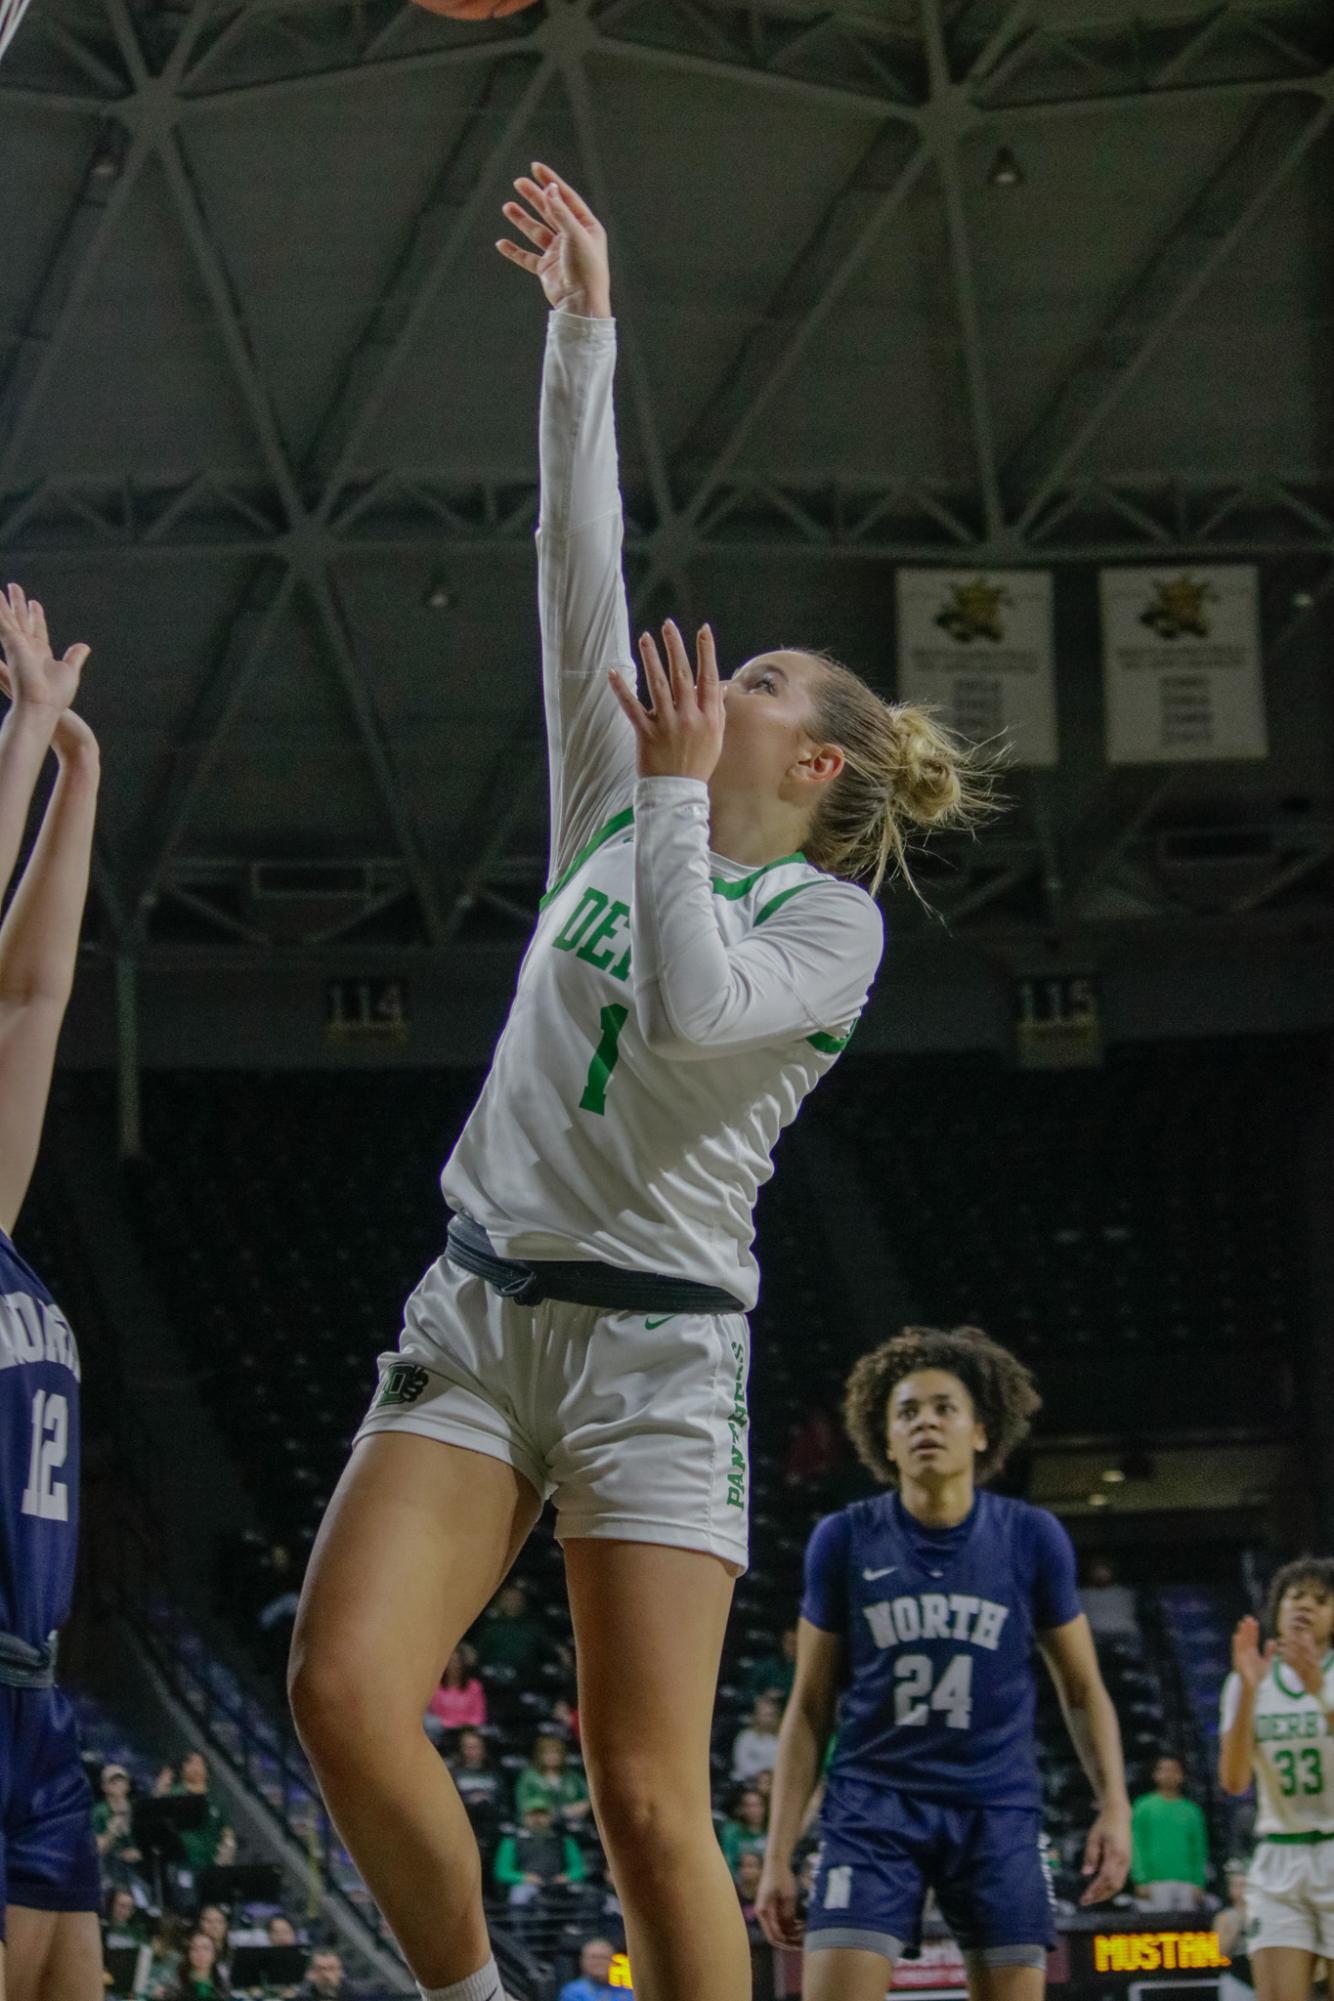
{"type": "Point", "coordinates": [243, 497]}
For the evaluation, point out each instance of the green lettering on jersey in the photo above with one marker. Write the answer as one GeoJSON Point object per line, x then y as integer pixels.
{"type": "Point", "coordinates": [609, 922]}
{"type": "Point", "coordinates": [585, 913]}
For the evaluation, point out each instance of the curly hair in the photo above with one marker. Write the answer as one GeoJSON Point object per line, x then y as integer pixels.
{"type": "Point", "coordinates": [1001, 1389]}
{"type": "Point", "coordinates": [1317, 1570]}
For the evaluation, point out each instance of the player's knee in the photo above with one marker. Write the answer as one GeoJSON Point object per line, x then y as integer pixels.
{"type": "Point", "coordinates": [648, 1819]}
{"type": "Point", "coordinates": [337, 1699]}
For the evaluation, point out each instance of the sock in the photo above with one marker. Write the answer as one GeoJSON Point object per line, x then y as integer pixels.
{"type": "Point", "coordinates": [484, 1985]}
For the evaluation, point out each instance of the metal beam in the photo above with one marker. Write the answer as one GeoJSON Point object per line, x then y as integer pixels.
{"type": "Point", "coordinates": [372, 738]}
{"type": "Point", "coordinates": [1181, 266]}
{"type": "Point", "coordinates": [424, 285]}
{"type": "Point", "coordinates": [248, 645]}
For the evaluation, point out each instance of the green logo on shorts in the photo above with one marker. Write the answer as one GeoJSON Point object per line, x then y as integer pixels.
{"type": "Point", "coordinates": [402, 1383]}
{"type": "Point", "coordinates": [736, 1425]}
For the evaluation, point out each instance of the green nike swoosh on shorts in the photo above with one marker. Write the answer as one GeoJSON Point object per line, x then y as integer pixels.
{"type": "Point", "coordinates": [659, 1323]}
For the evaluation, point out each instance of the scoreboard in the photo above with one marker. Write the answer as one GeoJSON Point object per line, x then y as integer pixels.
{"type": "Point", "coordinates": [1117, 1956]}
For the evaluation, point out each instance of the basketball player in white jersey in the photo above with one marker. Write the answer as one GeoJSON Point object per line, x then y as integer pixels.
{"type": "Point", "coordinates": [1278, 1728]}
{"type": "Point", "coordinates": [701, 956]}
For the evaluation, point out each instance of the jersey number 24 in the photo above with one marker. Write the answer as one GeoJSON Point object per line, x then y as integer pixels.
{"type": "Point", "coordinates": [914, 1697]}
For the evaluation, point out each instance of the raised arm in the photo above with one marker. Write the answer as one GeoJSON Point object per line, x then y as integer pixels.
{"type": "Point", "coordinates": [40, 688]}
{"type": "Point", "coordinates": [1236, 1741]}
{"type": "Point", "coordinates": [39, 938]}
{"type": "Point", "coordinates": [585, 624]}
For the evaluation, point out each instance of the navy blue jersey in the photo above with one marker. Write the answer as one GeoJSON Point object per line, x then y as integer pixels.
{"type": "Point", "coordinates": [940, 1627]}
{"type": "Point", "coordinates": [39, 1454]}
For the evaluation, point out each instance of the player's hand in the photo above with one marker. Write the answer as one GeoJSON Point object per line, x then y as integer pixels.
{"type": "Point", "coordinates": [776, 1906]}
{"type": "Point", "coordinates": [1249, 1661]}
{"type": "Point", "coordinates": [680, 735]}
{"type": "Point", "coordinates": [36, 679]}
{"type": "Point", "coordinates": [569, 253]}
{"type": "Point", "coordinates": [1107, 1854]}
{"type": "Point", "coordinates": [1299, 1653]}
{"type": "Point", "coordinates": [71, 739]}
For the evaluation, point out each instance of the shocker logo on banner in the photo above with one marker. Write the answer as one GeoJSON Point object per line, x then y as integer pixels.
{"type": "Point", "coordinates": [403, 1383]}
{"type": "Point", "coordinates": [1176, 610]}
{"type": "Point", "coordinates": [973, 611]}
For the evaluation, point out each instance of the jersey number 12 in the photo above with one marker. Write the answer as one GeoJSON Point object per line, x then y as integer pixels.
{"type": "Point", "coordinates": [45, 1496]}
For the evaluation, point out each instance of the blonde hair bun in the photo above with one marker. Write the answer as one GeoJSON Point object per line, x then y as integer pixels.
{"type": "Point", "coordinates": [927, 784]}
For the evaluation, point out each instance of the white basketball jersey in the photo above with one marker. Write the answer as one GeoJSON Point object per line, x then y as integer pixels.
{"type": "Point", "coordinates": [1294, 1752]}
{"type": "Point", "coordinates": [674, 1007]}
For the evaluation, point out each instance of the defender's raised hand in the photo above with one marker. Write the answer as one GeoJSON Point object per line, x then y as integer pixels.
{"type": "Point", "coordinates": [36, 679]}
{"type": "Point", "coordinates": [569, 254]}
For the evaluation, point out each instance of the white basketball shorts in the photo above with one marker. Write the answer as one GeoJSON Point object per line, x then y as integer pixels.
{"type": "Point", "coordinates": [1290, 1896]}
{"type": "Point", "coordinates": [635, 1424]}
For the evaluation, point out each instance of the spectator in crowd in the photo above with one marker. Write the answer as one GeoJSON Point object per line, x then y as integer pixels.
{"type": "Point", "coordinates": [537, 1867]}
{"type": "Point", "coordinates": [111, 1825]}
{"type": "Point", "coordinates": [746, 1876]}
{"type": "Point", "coordinates": [167, 1953]}
{"type": "Point", "coordinates": [814, 1449]}
{"type": "Point", "coordinates": [549, 1780]}
{"type": "Point", "coordinates": [510, 1639]}
{"type": "Point", "coordinates": [755, 1749]}
{"type": "Point", "coordinates": [1169, 1854]}
{"type": "Point", "coordinates": [280, 1932]}
{"type": "Point", "coordinates": [198, 1978]}
{"type": "Point", "coordinates": [772, 1674]}
{"type": "Point", "coordinates": [200, 1843]}
{"type": "Point", "coordinates": [746, 1830]}
{"type": "Point", "coordinates": [1238, 1982]}
{"type": "Point", "coordinates": [124, 1924]}
{"type": "Point", "coordinates": [1108, 1606]}
{"type": "Point", "coordinates": [594, 1981]}
{"type": "Point", "coordinates": [566, 1713]}
{"type": "Point", "coordinates": [165, 1782]}
{"type": "Point", "coordinates": [479, 1789]}
{"type": "Point", "coordinates": [325, 1979]}
{"type": "Point", "coordinates": [460, 1701]}
{"type": "Point", "coordinates": [225, 1853]}
{"type": "Point", "coordinates": [213, 1922]}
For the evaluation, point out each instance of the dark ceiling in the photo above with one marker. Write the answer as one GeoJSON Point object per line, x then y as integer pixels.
{"type": "Point", "coordinates": [265, 388]}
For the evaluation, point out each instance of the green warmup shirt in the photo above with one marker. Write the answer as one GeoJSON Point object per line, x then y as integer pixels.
{"type": "Point", "coordinates": [1167, 1841]}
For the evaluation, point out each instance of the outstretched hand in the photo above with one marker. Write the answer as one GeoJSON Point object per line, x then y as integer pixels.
{"type": "Point", "coordinates": [33, 677]}
{"type": "Point", "coordinates": [680, 733]}
{"type": "Point", "coordinates": [1248, 1659]}
{"type": "Point", "coordinates": [569, 254]}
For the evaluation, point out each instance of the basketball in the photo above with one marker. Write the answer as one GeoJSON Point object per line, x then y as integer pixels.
{"type": "Point", "coordinates": [475, 10]}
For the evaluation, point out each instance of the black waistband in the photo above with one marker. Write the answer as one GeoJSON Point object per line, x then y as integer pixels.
{"type": "Point", "coordinates": [23, 1665]}
{"type": "Point", "coordinates": [580, 1282]}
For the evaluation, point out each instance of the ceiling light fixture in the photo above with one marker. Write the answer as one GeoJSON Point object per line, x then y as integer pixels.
{"type": "Point", "coordinates": [1005, 171]}
{"type": "Point", "coordinates": [1114, 1475]}
{"type": "Point", "coordinates": [439, 597]}
{"type": "Point", "coordinates": [105, 164]}
{"type": "Point", "coordinates": [1097, 1500]}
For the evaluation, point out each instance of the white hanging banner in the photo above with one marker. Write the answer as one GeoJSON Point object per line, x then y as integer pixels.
{"type": "Point", "coordinates": [1181, 665]}
{"type": "Point", "coordinates": [977, 646]}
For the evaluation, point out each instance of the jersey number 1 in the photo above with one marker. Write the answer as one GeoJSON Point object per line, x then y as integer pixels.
{"type": "Point", "coordinates": [45, 1496]}
{"type": "Point", "coordinates": [612, 1021]}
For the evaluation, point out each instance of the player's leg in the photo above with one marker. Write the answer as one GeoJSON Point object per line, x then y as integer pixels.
{"type": "Point", "coordinates": [415, 1541]}
{"type": "Point", "coordinates": [845, 1973]}
{"type": "Point", "coordinates": [648, 1623]}
{"type": "Point", "coordinates": [53, 1955]}
{"type": "Point", "coordinates": [1004, 1983]}
{"type": "Point", "coordinates": [1283, 1972]}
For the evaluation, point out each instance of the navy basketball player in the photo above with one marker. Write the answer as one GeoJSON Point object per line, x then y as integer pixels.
{"type": "Point", "coordinates": [928, 1603]}
{"type": "Point", "coordinates": [48, 1860]}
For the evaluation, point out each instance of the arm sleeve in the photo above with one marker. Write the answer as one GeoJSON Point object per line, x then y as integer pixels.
{"type": "Point", "coordinates": [803, 970]}
{"type": "Point", "coordinates": [584, 619]}
{"type": "Point", "coordinates": [824, 1599]}
{"type": "Point", "coordinates": [1055, 1590]}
